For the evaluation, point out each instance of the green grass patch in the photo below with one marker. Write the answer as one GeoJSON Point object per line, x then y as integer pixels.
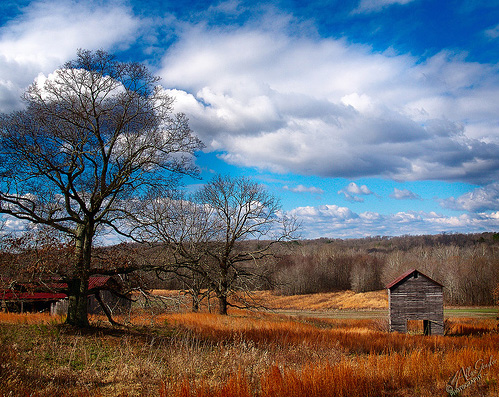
{"type": "Point", "coordinates": [478, 312]}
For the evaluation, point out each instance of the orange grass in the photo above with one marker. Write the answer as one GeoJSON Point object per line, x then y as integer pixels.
{"type": "Point", "coordinates": [356, 336]}
{"type": "Point", "coordinates": [312, 302]}
{"type": "Point", "coordinates": [468, 326]}
{"type": "Point", "coordinates": [416, 373]}
{"type": "Point", "coordinates": [29, 318]}
{"type": "Point", "coordinates": [256, 354]}
{"type": "Point", "coordinates": [324, 301]}
{"type": "Point", "coordinates": [382, 364]}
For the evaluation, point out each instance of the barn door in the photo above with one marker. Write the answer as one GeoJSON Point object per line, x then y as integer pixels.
{"type": "Point", "coordinates": [426, 327]}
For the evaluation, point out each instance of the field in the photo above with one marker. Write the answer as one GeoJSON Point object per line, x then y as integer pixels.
{"type": "Point", "coordinates": [247, 353]}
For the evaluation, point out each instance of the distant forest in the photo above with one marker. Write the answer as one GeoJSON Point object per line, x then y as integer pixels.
{"type": "Point", "coordinates": [466, 264]}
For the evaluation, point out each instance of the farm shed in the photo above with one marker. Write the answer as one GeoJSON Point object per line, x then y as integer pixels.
{"type": "Point", "coordinates": [19, 299]}
{"type": "Point", "coordinates": [415, 296]}
{"type": "Point", "coordinates": [51, 296]}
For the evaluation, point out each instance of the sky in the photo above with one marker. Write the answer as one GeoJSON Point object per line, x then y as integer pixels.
{"type": "Point", "coordinates": [365, 117]}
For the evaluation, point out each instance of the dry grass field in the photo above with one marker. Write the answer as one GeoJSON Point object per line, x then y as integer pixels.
{"type": "Point", "coordinates": [344, 300]}
{"type": "Point", "coordinates": [245, 354]}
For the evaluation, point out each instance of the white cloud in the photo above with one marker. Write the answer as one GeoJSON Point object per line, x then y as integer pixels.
{"type": "Point", "coordinates": [361, 103]}
{"type": "Point", "coordinates": [493, 33]}
{"type": "Point", "coordinates": [401, 194]}
{"type": "Point", "coordinates": [48, 33]}
{"type": "Point", "coordinates": [367, 6]}
{"type": "Point", "coordinates": [303, 189]}
{"type": "Point", "coordinates": [11, 225]}
{"type": "Point", "coordinates": [332, 213]}
{"type": "Point", "coordinates": [315, 106]}
{"type": "Point", "coordinates": [269, 97]}
{"type": "Point", "coordinates": [356, 190]}
{"type": "Point", "coordinates": [480, 199]}
{"type": "Point", "coordinates": [340, 222]}
{"type": "Point", "coordinates": [352, 192]}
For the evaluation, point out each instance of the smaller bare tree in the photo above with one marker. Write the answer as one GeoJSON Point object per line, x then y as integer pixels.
{"type": "Point", "coordinates": [222, 234]}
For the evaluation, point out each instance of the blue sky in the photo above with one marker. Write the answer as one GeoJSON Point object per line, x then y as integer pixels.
{"type": "Point", "coordinates": [365, 117]}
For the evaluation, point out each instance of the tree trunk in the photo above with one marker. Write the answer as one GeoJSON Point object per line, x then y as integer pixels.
{"type": "Point", "coordinates": [78, 286]}
{"type": "Point", "coordinates": [222, 290]}
{"type": "Point", "coordinates": [222, 305]}
{"type": "Point", "coordinates": [78, 303]}
{"type": "Point", "coordinates": [195, 302]}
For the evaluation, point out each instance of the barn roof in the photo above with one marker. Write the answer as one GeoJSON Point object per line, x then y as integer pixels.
{"type": "Point", "coordinates": [406, 275]}
{"type": "Point", "coordinates": [12, 295]}
{"type": "Point", "coordinates": [98, 281]}
{"type": "Point", "coordinates": [34, 291]}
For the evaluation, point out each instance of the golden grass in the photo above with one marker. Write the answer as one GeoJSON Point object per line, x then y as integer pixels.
{"type": "Point", "coordinates": [30, 318]}
{"type": "Point", "coordinates": [343, 300]}
{"type": "Point", "coordinates": [470, 326]}
{"type": "Point", "coordinates": [350, 360]}
{"type": "Point", "coordinates": [244, 354]}
{"type": "Point", "coordinates": [366, 376]}
{"type": "Point", "coordinates": [325, 301]}
{"type": "Point", "coordinates": [272, 330]}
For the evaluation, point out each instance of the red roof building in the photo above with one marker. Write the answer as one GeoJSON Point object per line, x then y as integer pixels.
{"type": "Point", "coordinates": [51, 296]}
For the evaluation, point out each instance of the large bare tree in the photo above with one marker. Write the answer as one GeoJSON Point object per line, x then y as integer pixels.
{"type": "Point", "coordinates": [91, 141]}
{"type": "Point", "coordinates": [222, 234]}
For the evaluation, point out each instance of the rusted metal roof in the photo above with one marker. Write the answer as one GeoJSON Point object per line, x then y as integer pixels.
{"type": "Point", "coordinates": [31, 291]}
{"type": "Point", "coordinates": [32, 296]}
{"type": "Point", "coordinates": [405, 275]}
{"type": "Point", "coordinates": [98, 281]}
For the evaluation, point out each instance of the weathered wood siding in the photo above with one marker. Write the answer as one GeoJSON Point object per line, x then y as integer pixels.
{"type": "Point", "coordinates": [115, 304]}
{"type": "Point", "coordinates": [416, 298]}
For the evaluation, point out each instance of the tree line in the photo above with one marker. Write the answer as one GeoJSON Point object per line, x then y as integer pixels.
{"type": "Point", "coordinates": [466, 264]}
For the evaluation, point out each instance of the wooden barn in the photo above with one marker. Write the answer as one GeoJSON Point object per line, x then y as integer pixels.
{"type": "Point", "coordinates": [413, 296]}
{"type": "Point", "coordinates": [105, 293]}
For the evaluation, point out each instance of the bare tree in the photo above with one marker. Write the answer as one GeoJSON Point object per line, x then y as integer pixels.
{"type": "Point", "coordinates": [194, 284]}
{"type": "Point", "coordinates": [366, 273]}
{"type": "Point", "coordinates": [222, 233]}
{"type": "Point", "coordinates": [240, 210]}
{"type": "Point", "coordinates": [91, 141]}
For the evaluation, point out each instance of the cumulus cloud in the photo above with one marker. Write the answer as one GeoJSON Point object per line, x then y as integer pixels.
{"type": "Point", "coordinates": [479, 200]}
{"type": "Point", "coordinates": [47, 33]}
{"type": "Point", "coordinates": [367, 6]}
{"type": "Point", "coordinates": [11, 225]}
{"type": "Point", "coordinates": [352, 192]}
{"type": "Point", "coordinates": [356, 190]}
{"type": "Point", "coordinates": [340, 222]}
{"type": "Point", "coordinates": [278, 97]}
{"type": "Point", "coordinates": [334, 215]}
{"type": "Point", "coordinates": [289, 102]}
{"type": "Point", "coordinates": [402, 194]}
{"type": "Point", "coordinates": [493, 33]}
{"type": "Point", "coordinates": [303, 189]}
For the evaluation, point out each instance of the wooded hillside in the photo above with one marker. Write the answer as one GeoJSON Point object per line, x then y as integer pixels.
{"type": "Point", "coordinates": [467, 265]}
